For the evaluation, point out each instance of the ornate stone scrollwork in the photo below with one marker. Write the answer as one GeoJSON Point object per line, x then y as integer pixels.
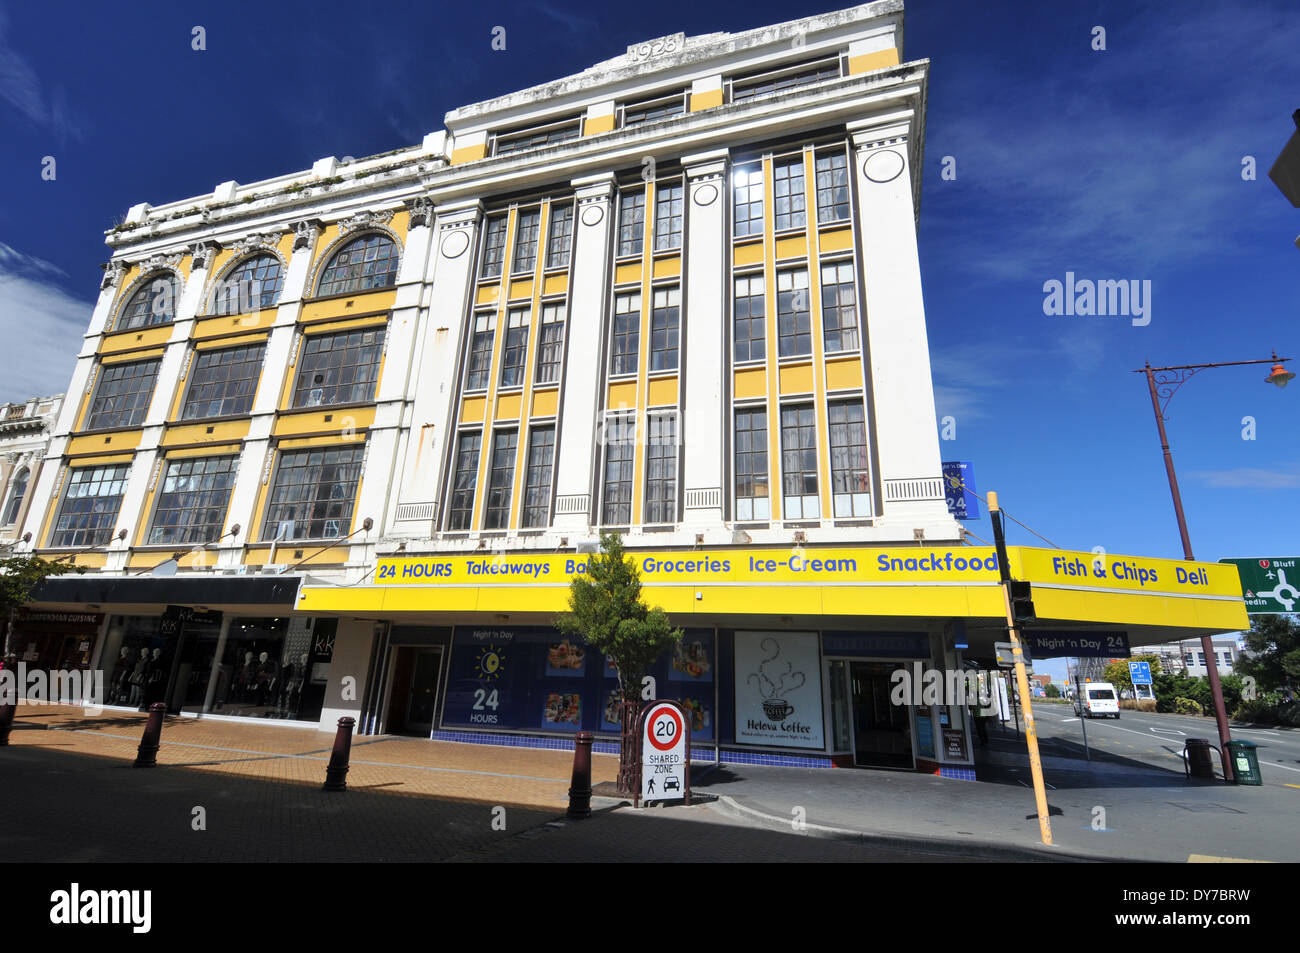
{"type": "Point", "coordinates": [203, 254]}
{"type": "Point", "coordinates": [421, 211]}
{"type": "Point", "coordinates": [113, 272]}
{"type": "Point", "coordinates": [256, 242]}
{"type": "Point", "coordinates": [155, 262]}
{"type": "Point", "coordinates": [366, 219]}
{"type": "Point", "coordinates": [306, 232]}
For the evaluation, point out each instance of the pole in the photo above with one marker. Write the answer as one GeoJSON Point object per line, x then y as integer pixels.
{"type": "Point", "coordinates": [1083, 722]}
{"type": "Point", "coordinates": [1207, 643]}
{"type": "Point", "coordinates": [1022, 680]}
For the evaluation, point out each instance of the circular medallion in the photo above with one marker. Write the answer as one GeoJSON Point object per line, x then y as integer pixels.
{"type": "Point", "coordinates": [706, 194]}
{"type": "Point", "coordinates": [592, 214]}
{"type": "Point", "coordinates": [883, 166]}
{"type": "Point", "coordinates": [454, 245]}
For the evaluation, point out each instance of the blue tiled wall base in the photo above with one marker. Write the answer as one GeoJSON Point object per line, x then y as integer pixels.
{"type": "Point", "coordinates": [779, 760]}
{"type": "Point", "coordinates": [961, 774]}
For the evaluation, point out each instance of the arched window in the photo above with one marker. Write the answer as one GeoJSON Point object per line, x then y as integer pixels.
{"type": "Point", "coordinates": [154, 303]}
{"type": "Point", "coordinates": [253, 285]}
{"type": "Point", "coordinates": [16, 495]}
{"type": "Point", "coordinates": [368, 262]}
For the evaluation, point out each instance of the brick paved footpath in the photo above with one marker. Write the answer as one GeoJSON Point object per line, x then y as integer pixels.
{"type": "Point", "coordinates": [70, 794]}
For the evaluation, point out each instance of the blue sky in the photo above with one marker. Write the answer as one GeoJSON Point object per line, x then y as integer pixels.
{"type": "Point", "coordinates": [1117, 164]}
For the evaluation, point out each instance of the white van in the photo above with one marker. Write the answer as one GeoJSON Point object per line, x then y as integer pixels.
{"type": "Point", "coordinates": [1097, 699]}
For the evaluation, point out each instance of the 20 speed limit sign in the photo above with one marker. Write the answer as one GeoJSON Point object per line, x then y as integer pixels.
{"type": "Point", "coordinates": [665, 753]}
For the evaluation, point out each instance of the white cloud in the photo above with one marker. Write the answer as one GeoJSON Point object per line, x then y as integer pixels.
{"type": "Point", "coordinates": [1251, 478]}
{"type": "Point", "coordinates": [42, 323]}
{"type": "Point", "coordinates": [21, 88]}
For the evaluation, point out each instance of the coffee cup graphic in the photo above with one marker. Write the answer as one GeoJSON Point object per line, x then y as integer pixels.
{"type": "Point", "coordinates": [778, 709]}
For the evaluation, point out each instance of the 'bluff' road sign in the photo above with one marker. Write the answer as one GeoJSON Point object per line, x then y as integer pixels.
{"type": "Point", "coordinates": [1269, 585]}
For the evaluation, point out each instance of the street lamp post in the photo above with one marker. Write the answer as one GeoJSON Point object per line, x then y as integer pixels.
{"type": "Point", "coordinates": [1163, 382]}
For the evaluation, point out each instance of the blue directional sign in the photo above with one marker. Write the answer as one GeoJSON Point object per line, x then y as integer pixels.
{"type": "Point", "coordinates": [1140, 672]}
{"type": "Point", "coordinates": [959, 490]}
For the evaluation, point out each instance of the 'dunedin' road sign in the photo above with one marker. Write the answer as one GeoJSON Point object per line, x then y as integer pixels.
{"type": "Point", "coordinates": [665, 753]}
{"type": "Point", "coordinates": [1269, 585]}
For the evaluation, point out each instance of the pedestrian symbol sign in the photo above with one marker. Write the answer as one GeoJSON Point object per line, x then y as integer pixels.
{"type": "Point", "coordinates": [665, 753]}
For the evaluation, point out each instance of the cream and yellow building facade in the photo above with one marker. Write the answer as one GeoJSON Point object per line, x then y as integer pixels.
{"type": "Point", "coordinates": [336, 441]}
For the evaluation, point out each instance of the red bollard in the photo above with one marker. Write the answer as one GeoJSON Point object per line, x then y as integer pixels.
{"type": "Point", "coordinates": [7, 711]}
{"type": "Point", "coordinates": [147, 754]}
{"type": "Point", "coordinates": [580, 787]}
{"type": "Point", "coordinates": [336, 775]}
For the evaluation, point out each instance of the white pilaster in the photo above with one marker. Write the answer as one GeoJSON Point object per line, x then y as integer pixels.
{"type": "Point", "coordinates": [582, 377]}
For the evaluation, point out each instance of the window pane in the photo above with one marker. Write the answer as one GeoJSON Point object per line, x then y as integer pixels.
{"type": "Point", "coordinates": [661, 469]}
{"type": "Point", "coordinates": [314, 493]}
{"type": "Point", "coordinates": [154, 303]}
{"type": "Point", "coordinates": [223, 383]}
{"type": "Point", "coordinates": [550, 346]}
{"type": "Point", "coordinates": [461, 510]}
{"type": "Point", "coordinates": [747, 200]}
{"type": "Point", "coordinates": [90, 507]}
{"type": "Point", "coordinates": [787, 187]}
{"type": "Point", "coordinates": [627, 333]}
{"type": "Point", "coordinates": [620, 448]}
{"type": "Point", "coordinates": [799, 462]}
{"type": "Point", "coordinates": [122, 395]}
{"type": "Point", "coordinates": [512, 358]}
{"type": "Point", "coordinates": [527, 229]}
{"type": "Point", "coordinates": [751, 464]}
{"type": "Point", "coordinates": [494, 247]}
{"type": "Point", "coordinates": [793, 318]}
{"type": "Point", "coordinates": [664, 329]}
{"type": "Point", "coordinates": [668, 216]}
{"type": "Point", "coordinates": [839, 307]}
{"type": "Point", "coordinates": [750, 319]}
{"type": "Point", "coordinates": [365, 263]}
{"type": "Point", "coordinates": [17, 490]}
{"type": "Point", "coordinates": [479, 367]}
{"type": "Point", "coordinates": [192, 500]}
{"type": "Point", "coordinates": [340, 368]}
{"type": "Point", "coordinates": [832, 187]}
{"type": "Point", "coordinates": [631, 223]}
{"type": "Point", "coordinates": [559, 243]}
{"type": "Point", "coordinates": [253, 285]}
{"type": "Point", "coordinates": [501, 479]}
{"type": "Point", "coordinates": [537, 489]}
{"type": "Point", "coordinates": [850, 473]}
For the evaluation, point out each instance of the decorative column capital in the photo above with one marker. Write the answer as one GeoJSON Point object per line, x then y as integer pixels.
{"type": "Point", "coordinates": [306, 232]}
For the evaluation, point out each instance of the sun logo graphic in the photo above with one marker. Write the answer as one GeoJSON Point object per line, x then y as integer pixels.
{"type": "Point", "coordinates": [489, 663]}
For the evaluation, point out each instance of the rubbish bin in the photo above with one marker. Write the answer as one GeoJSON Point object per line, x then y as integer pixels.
{"type": "Point", "coordinates": [1245, 762]}
{"type": "Point", "coordinates": [1196, 751]}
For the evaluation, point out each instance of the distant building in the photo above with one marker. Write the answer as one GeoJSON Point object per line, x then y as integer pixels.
{"type": "Point", "coordinates": [24, 436]}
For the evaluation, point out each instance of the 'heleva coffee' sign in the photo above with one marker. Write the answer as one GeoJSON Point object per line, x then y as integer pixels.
{"type": "Point", "coordinates": [779, 690]}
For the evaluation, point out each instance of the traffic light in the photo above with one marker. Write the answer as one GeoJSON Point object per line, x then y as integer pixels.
{"type": "Point", "coordinates": [1022, 602]}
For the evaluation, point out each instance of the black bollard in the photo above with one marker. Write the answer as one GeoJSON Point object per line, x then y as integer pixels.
{"type": "Point", "coordinates": [7, 711]}
{"type": "Point", "coordinates": [336, 775]}
{"type": "Point", "coordinates": [580, 787]}
{"type": "Point", "coordinates": [147, 754]}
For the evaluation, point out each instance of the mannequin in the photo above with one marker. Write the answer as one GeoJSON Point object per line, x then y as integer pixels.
{"type": "Point", "coordinates": [120, 679]}
{"type": "Point", "coordinates": [154, 678]}
{"type": "Point", "coordinates": [266, 678]}
{"type": "Point", "coordinates": [239, 686]}
{"type": "Point", "coordinates": [136, 679]}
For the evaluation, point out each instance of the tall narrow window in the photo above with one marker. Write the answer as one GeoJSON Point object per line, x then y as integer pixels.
{"type": "Point", "coordinates": [627, 333]}
{"type": "Point", "coordinates": [620, 450]}
{"type": "Point", "coordinates": [747, 200]}
{"type": "Point", "coordinates": [631, 223]}
{"type": "Point", "coordinates": [559, 241]}
{"type": "Point", "coordinates": [832, 187]}
{"type": "Point", "coordinates": [479, 369]}
{"type": "Point", "coordinates": [362, 264]}
{"type": "Point", "coordinates": [839, 307]}
{"type": "Point", "coordinates": [461, 511]}
{"type": "Point", "coordinates": [17, 491]}
{"type": "Point", "coordinates": [313, 493]}
{"type": "Point", "coordinates": [527, 228]}
{"type": "Point", "coordinates": [537, 488]}
{"type": "Point", "coordinates": [793, 318]}
{"type": "Point", "coordinates": [850, 474]}
{"type": "Point", "coordinates": [340, 368]}
{"type": "Point", "coordinates": [799, 462]}
{"type": "Point", "coordinates": [501, 479]}
{"type": "Point", "coordinates": [494, 247]}
{"type": "Point", "coordinates": [752, 501]}
{"type": "Point", "coordinates": [223, 383]}
{"type": "Point", "coordinates": [512, 356]}
{"type": "Point", "coordinates": [90, 506]}
{"type": "Point", "coordinates": [751, 322]}
{"type": "Point", "coordinates": [122, 395]}
{"type": "Point", "coordinates": [550, 345]}
{"type": "Point", "coordinates": [154, 303]}
{"type": "Point", "coordinates": [668, 216]}
{"type": "Point", "coordinates": [665, 322]}
{"type": "Point", "coordinates": [192, 500]}
{"type": "Point", "coordinates": [787, 193]}
{"type": "Point", "coordinates": [661, 469]}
